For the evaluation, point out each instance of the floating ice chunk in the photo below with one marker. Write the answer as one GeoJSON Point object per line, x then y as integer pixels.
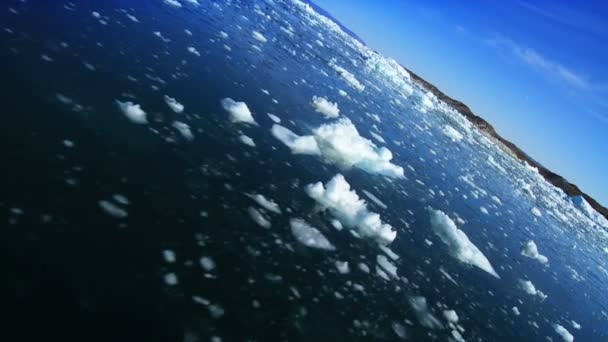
{"type": "Point", "coordinates": [374, 199]}
{"type": "Point", "coordinates": [96, 14]}
{"type": "Point", "coordinates": [246, 140]}
{"type": "Point", "coordinates": [496, 200]}
{"type": "Point", "coordinates": [325, 107]}
{"type": "Point", "coordinates": [297, 144]}
{"type": "Point", "coordinates": [259, 37]}
{"type": "Point", "coordinates": [389, 252]}
{"type": "Point", "coordinates": [223, 35]}
{"type": "Point", "coordinates": [450, 316]}
{"type": "Point", "coordinates": [424, 314]}
{"type": "Point", "coordinates": [112, 209]}
{"type": "Point", "coordinates": [352, 211]}
{"type": "Point", "coordinates": [342, 267]}
{"type": "Point", "coordinates": [133, 112]}
{"type": "Point", "coordinates": [173, 3]}
{"type": "Point", "coordinates": [531, 251]}
{"type": "Point", "coordinates": [458, 243]}
{"type": "Point", "coordinates": [309, 236]}
{"type": "Point", "coordinates": [530, 289]}
{"type": "Point", "coordinates": [484, 210]}
{"type": "Point", "coordinates": [169, 256]}
{"type": "Point", "coordinates": [536, 212]}
{"type": "Point", "coordinates": [183, 129]}
{"type": "Point", "coordinates": [452, 133]}
{"type": "Point", "coordinates": [258, 218]}
{"type": "Point", "coordinates": [193, 2]}
{"type": "Point", "coordinates": [170, 279]}
{"type": "Point", "coordinates": [274, 118]}
{"type": "Point", "coordinates": [346, 75]}
{"type": "Point", "coordinates": [341, 144]}
{"type": "Point", "coordinates": [342, 93]}
{"type": "Point", "coordinates": [575, 325]}
{"type": "Point", "coordinates": [132, 18]}
{"type": "Point", "coordinates": [194, 51]}
{"type": "Point", "coordinates": [387, 266]}
{"type": "Point", "coordinates": [173, 104]}
{"type": "Point", "coordinates": [515, 311]}
{"type": "Point", "coordinates": [266, 203]}
{"type": "Point", "coordinates": [565, 334]}
{"type": "Point", "coordinates": [239, 112]}
{"type": "Point", "coordinates": [68, 143]}
{"type": "Point", "coordinates": [207, 263]}
{"type": "Point", "coordinates": [377, 137]}
{"type": "Point", "coordinates": [121, 199]}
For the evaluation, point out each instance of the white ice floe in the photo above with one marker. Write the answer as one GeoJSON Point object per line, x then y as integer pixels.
{"type": "Point", "coordinates": [259, 37]}
{"type": "Point", "coordinates": [171, 279]}
{"type": "Point", "coordinates": [452, 133]}
{"type": "Point", "coordinates": [239, 112]}
{"type": "Point", "coordinates": [374, 199]}
{"type": "Point", "coordinates": [563, 332]}
{"type": "Point", "coordinates": [350, 210]}
{"type": "Point", "coordinates": [458, 244]}
{"type": "Point", "coordinates": [297, 144]}
{"type": "Point", "coordinates": [173, 104]}
{"type": "Point", "coordinates": [450, 316]}
{"type": "Point", "coordinates": [531, 251]}
{"type": "Point", "coordinates": [346, 75]}
{"type": "Point", "coordinates": [207, 263]}
{"type": "Point", "coordinates": [258, 218]}
{"type": "Point", "coordinates": [342, 267]}
{"type": "Point", "coordinates": [112, 209]}
{"type": "Point", "coordinates": [194, 51]}
{"type": "Point", "coordinates": [536, 212]}
{"type": "Point", "coordinates": [133, 112]}
{"type": "Point", "coordinates": [173, 3]}
{"type": "Point", "coordinates": [265, 203]}
{"type": "Point", "coordinates": [183, 129]}
{"type": "Point", "coordinates": [387, 266]}
{"type": "Point", "coordinates": [325, 107]}
{"type": "Point", "coordinates": [515, 310]}
{"type": "Point", "coordinates": [309, 236]}
{"type": "Point", "coordinates": [377, 137]}
{"type": "Point", "coordinates": [530, 289]}
{"type": "Point", "coordinates": [341, 144]}
{"type": "Point", "coordinates": [424, 314]}
{"type": "Point", "coordinates": [274, 118]}
{"type": "Point", "coordinates": [575, 325]}
{"type": "Point", "coordinates": [169, 256]}
{"type": "Point", "coordinates": [246, 140]}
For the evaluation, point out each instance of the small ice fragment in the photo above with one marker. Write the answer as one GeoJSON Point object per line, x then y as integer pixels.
{"type": "Point", "coordinates": [531, 251]}
{"type": "Point", "coordinates": [194, 51]}
{"type": "Point", "coordinates": [173, 104]}
{"type": "Point", "coordinates": [207, 263]}
{"type": "Point", "coordinates": [342, 267]}
{"type": "Point", "coordinates": [325, 107]}
{"type": "Point", "coordinates": [183, 129]}
{"type": "Point", "coordinates": [297, 144]}
{"type": "Point", "coordinates": [170, 279]}
{"type": "Point", "coordinates": [258, 36]}
{"type": "Point", "coordinates": [266, 203]}
{"type": "Point", "coordinates": [169, 256]}
{"type": "Point", "coordinates": [112, 209]}
{"type": "Point", "coordinates": [239, 112]}
{"type": "Point", "coordinates": [133, 112]}
{"type": "Point", "coordinates": [565, 334]}
{"type": "Point", "coordinates": [246, 140]}
{"type": "Point", "coordinates": [309, 236]}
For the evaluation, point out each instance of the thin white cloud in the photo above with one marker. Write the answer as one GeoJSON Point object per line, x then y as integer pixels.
{"type": "Point", "coordinates": [573, 18]}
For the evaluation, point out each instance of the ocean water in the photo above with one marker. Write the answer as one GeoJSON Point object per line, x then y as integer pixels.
{"type": "Point", "coordinates": [117, 230]}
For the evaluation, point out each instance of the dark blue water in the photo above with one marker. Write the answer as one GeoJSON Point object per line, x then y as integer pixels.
{"type": "Point", "coordinates": [74, 272]}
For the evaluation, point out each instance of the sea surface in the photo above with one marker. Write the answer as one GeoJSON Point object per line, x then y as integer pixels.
{"type": "Point", "coordinates": [118, 225]}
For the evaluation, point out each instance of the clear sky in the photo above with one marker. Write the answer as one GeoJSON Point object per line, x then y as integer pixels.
{"type": "Point", "coordinates": [538, 71]}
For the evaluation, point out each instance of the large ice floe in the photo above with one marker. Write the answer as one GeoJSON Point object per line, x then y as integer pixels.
{"type": "Point", "coordinates": [531, 251]}
{"type": "Point", "coordinates": [458, 244]}
{"type": "Point", "coordinates": [340, 144]}
{"type": "Point", "coordinates": [350, 210]}
{"type": "Point", "coordinates": [239, 112]}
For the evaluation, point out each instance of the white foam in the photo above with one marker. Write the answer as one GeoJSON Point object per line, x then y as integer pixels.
{"type": "Point", "coordinates": [297, 144]}
{"type": "Point", "coordinates": [259, 37]}
{"type": "Point", "coordinates": [325, 107]}
{"type": "Point", "coordinates": [530, 289]}
{"type": "Point", "coordinates": [133, 112]}
{"type": "Point", "coordinates": [309, 236]}
{"type": "Point", "coordinates": [173, 104]}
{"type": "Point", "coordinates": [458, 243]}
{"type": "Point", "coordinates": [531, 251]}
{"type": "Point", "coordinates": [341, 144]}
{"type": "Point", "coordinates": [239, 112]}
{"type": "Point", "coordinates": [183, 129]}
{"type": "Point", "coordinates": [563, 332]}
{"type": "Point", "coordinates": [452, 133]}
{"type": "Point", "coordinates": [350, 210]}
{"type": "Point", "coordinates": [112, 209]}
{"type": "Point", "coordinates": [266, 203]}
{"type": "Point", "coordinates": [246, 140]}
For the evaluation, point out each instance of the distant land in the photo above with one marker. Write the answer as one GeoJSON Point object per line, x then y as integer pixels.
{"type": "Point", "coordinates": [570, 189]}
{"type": "Point", "coordinates": [509, 147]}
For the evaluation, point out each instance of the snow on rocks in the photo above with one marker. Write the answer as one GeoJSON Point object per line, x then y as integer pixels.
{"type": "Point", "coordinates": [458, 244]}
{"type": "Point", "coordinates": [350, 210]}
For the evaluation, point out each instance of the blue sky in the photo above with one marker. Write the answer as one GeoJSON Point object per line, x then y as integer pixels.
{"type": "Point", "coordinates": [538, 71]}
